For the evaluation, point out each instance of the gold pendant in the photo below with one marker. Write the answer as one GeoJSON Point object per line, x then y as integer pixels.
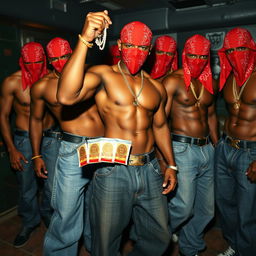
{"type": "Point", "coordinates": [135, 103]}
{"type": "Point", "coordinates": [236, 105]}
{"type": "Point", "coordinates": [197, 104]}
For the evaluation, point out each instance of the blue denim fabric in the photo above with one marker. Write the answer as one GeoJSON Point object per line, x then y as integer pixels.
{"type": "Point", "coordinates": [120, 192]}
{"type": "Point", "coordinates": [28, 207]}
{"type": "Point", "coordinates": [49, 150]}
{"type": "Point", "coordinates": [236, 197]}
{"type": "Point", "coordinates": [68, 202]}
{"type": "Point", "coordinates": [191, 207]}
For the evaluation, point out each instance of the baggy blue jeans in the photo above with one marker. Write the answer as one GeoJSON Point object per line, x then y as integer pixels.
{"type": "Point", "coordinates": [49, 150]}
{"type": "Point", "coordinates": [236, 197]}
{"type": "Point", "coordinates": [68, 202]}
{"type": "Point", "coordinates": [120, 192]}
{"type": "Point", "coordinates": [28, 207]}
{"type": "Point", "coordinates": [191, 207]}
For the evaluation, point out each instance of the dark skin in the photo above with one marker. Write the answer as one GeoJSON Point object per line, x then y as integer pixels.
{"type": "Point", "coordinates": [144, 124]}
{"type": "Point", "coordinates": [80, 119]}
{"type": "Point", "coordinates": [186, 118]}
{"type": "Point", "coordinates": [241, 123]}
{"type": "Point", "coordinates": [13, 97]}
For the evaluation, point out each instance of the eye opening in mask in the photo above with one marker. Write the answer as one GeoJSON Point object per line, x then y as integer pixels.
{"type": "Point", "coordinates": [36, 62]}
{"type": "Point", "coordinates": [141, 47]}
{"type": "Point", "coordinates": [163, 52]}
{"type": "Point", "coordinates": [239, 49]}
{"type": "Point", "coordinates": [197, 56]}
{"type": "Point", "coordinates": [63, 57]}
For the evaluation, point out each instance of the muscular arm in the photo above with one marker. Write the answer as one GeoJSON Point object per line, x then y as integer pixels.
{"type": "Point", "coordinates": [7, 98]}
{"type": "Point", "coordinates": [74, 84]}
{"type": "Point", "coordinates": [37, 111]}
{"type": "Point", "coordinates": [161, 130]}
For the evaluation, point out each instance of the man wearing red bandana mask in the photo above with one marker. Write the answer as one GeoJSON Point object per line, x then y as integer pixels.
{"type": "Point", "coordinates": [193, 124]}
{"type": "Point", "coordinates": [131, 105]}
{"type": "Point", "coordinates": [15, 93]}
{"type": "Point", "coordinates": [236, 151]}
{"type": "Point", "coordinates": [165, 57]}
{"type": "Point", "coordinates": [77, 123]}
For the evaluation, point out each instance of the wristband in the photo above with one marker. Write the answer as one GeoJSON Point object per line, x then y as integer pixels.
{"type": "Point", "coordinates": [89, 45]}
{"type": "Point", "coordinates": [34, 157]}
{"type": "Point", "coordinates": [172, 167]}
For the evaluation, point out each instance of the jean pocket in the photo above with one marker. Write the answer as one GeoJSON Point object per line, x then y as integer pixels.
{"type": "Point", "coordinates": [68, 149]}
{"type": "Point", "coordinates": [47, 142]}
{"type": "Point", "coordinates": [252, 154]}
{"type": "Point", "coordinates": [105, 171]}
{"type": "Point", "coordinates": [179, 147]}
{"type": "Point", "coordinates": [20, 141]}
{"type": "Point", "coordinates": [154, 165]}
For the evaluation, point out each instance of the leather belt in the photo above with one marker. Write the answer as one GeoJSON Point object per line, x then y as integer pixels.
{"type": "Point", "coordinates": [190, 140]}
{"type": "Point", "coordinates": [73, 138]}
{"type": "Point", "coordinates": [139, 160]}
{"type": "Point", "coordinates": [21, 133]}
{"type": "Point", "coordinates": [52, 134]}
{"type": "Point", "coordinates": [236, 143]}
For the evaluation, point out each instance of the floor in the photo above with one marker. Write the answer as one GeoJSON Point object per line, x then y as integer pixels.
{"type": "Point", "coordinates": [10, 225]}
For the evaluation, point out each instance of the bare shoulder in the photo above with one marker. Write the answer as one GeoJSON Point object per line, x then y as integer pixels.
{"type": "Point", "coordinates": [173, 80]}
{"type": "Point", "coordinates": [156, 83]}
{"type": "Point", "coordinates": [38, 88]}
{"type": "Point", "coordinates": [100, 69]}
{"type": "Point", "coordinates": [12, 82]}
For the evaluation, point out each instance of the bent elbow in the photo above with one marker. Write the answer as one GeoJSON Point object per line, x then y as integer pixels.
{"type": "Point", "coordinates": [64, 100]}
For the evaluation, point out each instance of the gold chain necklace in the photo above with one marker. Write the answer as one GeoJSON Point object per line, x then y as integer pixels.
{"type": "Point", "coordinates": [237, 96]}
{"type": "Point", "coordinates": [135, 102]}
{"type": "Point", "coordinates": [197, 104]}
{"type": "Point", "coordinates": [54, 72]}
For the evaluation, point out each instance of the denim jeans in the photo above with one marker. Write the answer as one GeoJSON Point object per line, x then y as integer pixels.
{"type": "Point", "coordinates": [120, 192]}
{"type": "Point", "coordinates": [28, 207]}
{"type": "Point", "coordinates": [236, 197]}
{"type": "Point", "coordinates": [191, 206]}
{"type": "Point", "coordinates": [49, 150]}
{"type": "Point", "coordinates": [68, 202]}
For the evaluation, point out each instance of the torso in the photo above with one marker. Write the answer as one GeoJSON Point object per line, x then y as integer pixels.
{"type": "Point", "coordinates": [121, 117]}
{"type": "Point", "coordinates": [186, 117]}
{"type": "Point", "coordinates": [80, 119]}
{"type": "Point", "coordinates": [241, 122]}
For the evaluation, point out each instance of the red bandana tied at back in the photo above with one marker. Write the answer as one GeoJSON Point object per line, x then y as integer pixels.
{"type": "Point", "coordinates": [197, 68]}
{"type": "Point", "coordinates": [114, 54]}
{"type": "Point", "coordinates": [242, 63]}
{"type": "Point", "coordinates": [30, 73]}
{"type": "Point", "coordinates": [138, 34]}
{"type": "Point", "coordinates": [56, 48]}
{"type": "Point", "coordinates": [163, 63]}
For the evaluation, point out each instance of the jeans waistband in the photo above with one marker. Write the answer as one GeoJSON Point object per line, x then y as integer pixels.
{"type": "Point", "coordinates": [141, 159]}
{"type": "Point", "coordinates": [21, 133]}
{"type": "Point", "coordinates": [191, 140]}
{"type": "Point", "coordinates": [237, 143]}
{"type": "Point", "coordinates": [73, 138]}
{"type": "Point", "coordinates": [52, 134]}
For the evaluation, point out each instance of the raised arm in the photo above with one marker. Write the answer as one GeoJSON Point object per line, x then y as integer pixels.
{"type": "Point", "coordinates": [7, 97]}
{"type": "Point", "coordinates": [74, 84]}
{"type": "Point", "coordinates": [37, 112]}
{"type": "Point", "coordinates": [164, 144]}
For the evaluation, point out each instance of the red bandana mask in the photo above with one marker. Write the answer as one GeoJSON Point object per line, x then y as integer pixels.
{"type": "Point", "coordinates": [138, 34]}
{"type": "Point", "coordinates": [114, 54]}
{"type": "Point", "coordinates": [30, 73]}
{"type": "Point", "coordinates": [56, 48]}
{"type": "Point", "coordinates": [163, 63]}
{"type": "Point", "coordinates": [242, 63]}
{"type": "Point", "coordinates": [197, 68]}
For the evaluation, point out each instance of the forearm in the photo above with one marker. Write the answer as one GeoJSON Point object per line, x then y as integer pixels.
{"type": "Point", "coordinates": [6, 134]}
{"type": "Point", "coordinates": [164, 143]}
{"type": "Point", "coordinates": [35, 133]}
{"type": "Point", "coordinates": [72, 77]}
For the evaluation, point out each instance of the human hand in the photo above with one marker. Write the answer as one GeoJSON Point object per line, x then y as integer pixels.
{"type": "Point", "coordinates": [15, 158]}
{"type": "Point", "coordinates": [170, 181]}
{"type": "Point", "coordinates": [251, 172]}
{"type": "Point", "coordinates": [94, 25]}
{"type": "Point", "coordinates": [40, 168]}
